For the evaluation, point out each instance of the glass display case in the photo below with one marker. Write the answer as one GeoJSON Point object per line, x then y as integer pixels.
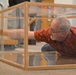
{"type": "Point", "coordinates": [17, 51]}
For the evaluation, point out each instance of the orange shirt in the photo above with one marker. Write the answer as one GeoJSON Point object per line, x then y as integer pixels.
{"type": "Point", "coordinates": [66, 47]}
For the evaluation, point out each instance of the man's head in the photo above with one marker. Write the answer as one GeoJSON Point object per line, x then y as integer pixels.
{"type": "Point", "coordinates": [60, 28]}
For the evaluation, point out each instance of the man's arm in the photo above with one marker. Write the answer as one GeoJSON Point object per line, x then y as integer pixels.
{"type": "Point", "coordinates": [17, 33]}
{"type": "Point", "coordinates": [31, 35]}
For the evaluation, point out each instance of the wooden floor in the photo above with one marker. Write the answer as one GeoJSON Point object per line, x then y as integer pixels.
{"type": "Point", "coordinates": [6, 69]}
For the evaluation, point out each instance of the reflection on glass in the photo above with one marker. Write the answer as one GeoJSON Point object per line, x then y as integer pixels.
{"type": "Point", "coordinates": [65, 60]}
{"type": "Point", "coordinates": [13, 57]}
{"type": "Point", "coordinates": [48, 59]}
{"type": "Point", "coordinates": [11, 49]}
{"type": "Point", "coordinates": [42, 59]}
{"type": "Point", "coordinates": [39, 11]}
{"type": "Point", "coordinates": [39, 58]}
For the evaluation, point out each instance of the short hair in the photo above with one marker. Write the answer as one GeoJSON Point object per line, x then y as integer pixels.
{"type": "Point", "coordinates": [64, 24]}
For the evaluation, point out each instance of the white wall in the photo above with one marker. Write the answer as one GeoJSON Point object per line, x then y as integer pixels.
{"type": "Point", "coordinates": [74, 1]}
{"type": "Point", "coordinates": [5, 3]}
{"type": "Point", "coordinates": [63, 1]}
{"type": "Point", "coordinates": [74, 20]}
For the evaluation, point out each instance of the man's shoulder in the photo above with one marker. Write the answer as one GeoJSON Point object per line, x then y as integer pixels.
{"type": "Point", "coordinates": [73, 29]}
{"type": "Point", "coordinates": [43, 30]}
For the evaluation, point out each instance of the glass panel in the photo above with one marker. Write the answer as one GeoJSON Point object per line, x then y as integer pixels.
{"type": "Point", "coordinates": [12, 45]}
{"type": "Point", "coordinates": [14, 57]}
{"type": "Point", "coordinates": [38, 11]}
{"type": "Point", "coordinates": [42, 17]}
{"type": "Point", "coordinates": [65, 11]}
{"type": "Point", "coordinates": [42, 59]}
{"type": "Point", "coordinates": [50, 11]}
{"type": "Point", "coordinates": [37, 17]}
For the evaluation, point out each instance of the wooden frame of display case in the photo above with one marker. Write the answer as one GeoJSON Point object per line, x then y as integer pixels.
{"type": "Point", "coordinates": [26, 6]}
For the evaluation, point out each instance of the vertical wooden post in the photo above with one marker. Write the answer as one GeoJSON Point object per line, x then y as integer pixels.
{"type": "Point", "coordinates": [26, 36]}
{"type": "Point", "coordinates": [2, 27]}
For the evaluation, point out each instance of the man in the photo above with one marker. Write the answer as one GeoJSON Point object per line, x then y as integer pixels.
{"type": "Point", "coordinates": [61, 36]}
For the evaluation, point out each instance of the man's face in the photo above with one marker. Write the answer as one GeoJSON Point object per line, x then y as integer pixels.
{"type": "Point", "coordinates": [56, 33]}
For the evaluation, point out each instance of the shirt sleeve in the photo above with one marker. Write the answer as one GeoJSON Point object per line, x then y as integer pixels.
{"type": "Point", "coordinates": [42, 35]}
{"type": "Point", "coordinates": [74, 30]}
